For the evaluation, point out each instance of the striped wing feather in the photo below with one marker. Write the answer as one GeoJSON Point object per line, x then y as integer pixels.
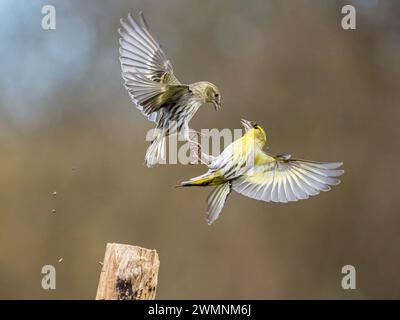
{"type": "Point", "coordinates": [150, 96]}
{"type": "Point", "coordinates": [140, 52]}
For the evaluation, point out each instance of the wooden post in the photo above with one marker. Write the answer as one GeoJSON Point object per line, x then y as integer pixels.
{"type": "Point", "coordinates": [128, 273]}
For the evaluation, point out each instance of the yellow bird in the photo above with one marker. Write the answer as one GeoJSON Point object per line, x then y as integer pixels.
{"type": "Point", "coordinates": [245, 168]}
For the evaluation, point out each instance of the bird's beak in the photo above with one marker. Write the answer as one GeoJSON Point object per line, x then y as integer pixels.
{"type": "Point", "coordinates": [246, 124]}
{"type": "Point", "coordinates": [217, 104]}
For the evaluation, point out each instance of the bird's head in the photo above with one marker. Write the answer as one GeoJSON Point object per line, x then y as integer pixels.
{"type": "Point", "coordinates": [253, 129]}
{"type": "Point", "coordinates": [209, 93]}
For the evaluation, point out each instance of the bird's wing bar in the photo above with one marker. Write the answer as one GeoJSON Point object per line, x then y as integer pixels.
{"type": "Point", "coordinates": [195, 140]}
{"type": "Point", "coordinates": [141, 53]}
{"type": "Point", "coordinates": [150, 96]}
{"type": "Point", "coordinates": [288, 180]}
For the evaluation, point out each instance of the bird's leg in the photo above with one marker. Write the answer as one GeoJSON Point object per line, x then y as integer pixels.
{"type": "Point", "coordinates": [194, 144]}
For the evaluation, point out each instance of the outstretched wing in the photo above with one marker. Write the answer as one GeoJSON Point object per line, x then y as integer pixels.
{"type": "Point", "coordinates": [147, 73]}
{"type": "Point", "coordinates": [150, 96]}
{"type": "Point", "coordinates": [282, 179]}
{"type": "Point", "coordinates": [141, 53]}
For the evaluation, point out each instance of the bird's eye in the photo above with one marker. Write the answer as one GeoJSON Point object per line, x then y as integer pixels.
{"type": "Point", "coordinates": [216, 95]}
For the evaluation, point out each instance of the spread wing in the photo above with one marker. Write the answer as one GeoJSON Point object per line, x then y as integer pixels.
{"type": "Point", "coordinates": [282, 179]}
{"type": "Point", "coordinates": [147, 73]}
{"type": "Point", "coordinates": [141, 53]}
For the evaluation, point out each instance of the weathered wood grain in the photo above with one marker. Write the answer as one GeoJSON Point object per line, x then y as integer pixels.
{"type": "Point", "coordinates": [128, 273]}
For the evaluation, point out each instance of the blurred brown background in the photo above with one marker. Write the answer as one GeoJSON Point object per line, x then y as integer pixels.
{"type": "Point", "coordinates": [322, 93]}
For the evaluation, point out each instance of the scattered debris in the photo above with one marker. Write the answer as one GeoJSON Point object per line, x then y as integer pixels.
{"type": "Point", "coordinates": [54, 211]}
{"type": "Point", "coordinates": [60, 260]}
{"type": "Point", "coordinates": [54, 193]}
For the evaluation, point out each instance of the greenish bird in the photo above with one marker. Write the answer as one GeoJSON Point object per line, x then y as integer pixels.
{"type": "Point", "coordinates": [150, 81]}
{"type": "Point", "coordinates": [244, 167]}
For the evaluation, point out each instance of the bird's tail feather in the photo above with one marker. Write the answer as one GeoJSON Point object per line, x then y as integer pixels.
{"type": "Point", "coordinates": [216, 201]}
{"type": "Point", "coordinates": [156, 152]}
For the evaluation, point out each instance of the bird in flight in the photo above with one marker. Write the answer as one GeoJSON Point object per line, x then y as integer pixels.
{"type": "Point", "coordinates": [245, 168]}
{"type": "Point", "coordinates": [150, 81]}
